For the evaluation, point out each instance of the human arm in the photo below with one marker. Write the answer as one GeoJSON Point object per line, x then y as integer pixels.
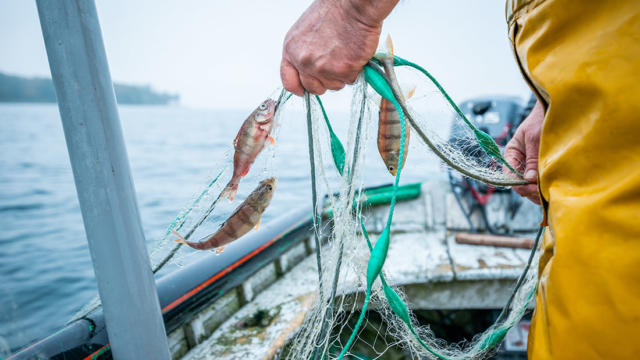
{"type": "Point", "coordinates": [521, 152]}
{"type": "Point", "coordinates": [330, 43]}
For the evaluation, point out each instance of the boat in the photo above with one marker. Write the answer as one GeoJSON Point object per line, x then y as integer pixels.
{"type": "Point", "coordinates": [249, 301]}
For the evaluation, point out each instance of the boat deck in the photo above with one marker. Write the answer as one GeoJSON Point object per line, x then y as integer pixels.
{"type": "Point", "coordinates": [257, 319]}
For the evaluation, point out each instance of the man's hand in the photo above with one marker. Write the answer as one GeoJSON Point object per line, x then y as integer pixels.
{"type": "Point", "coordinates": [330, 43]}
{"type": "Point", "coordinates": [522, 152]}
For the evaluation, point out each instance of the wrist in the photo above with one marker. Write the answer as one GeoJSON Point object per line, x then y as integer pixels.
{"type": "Point", "coordinates": [370, 13]}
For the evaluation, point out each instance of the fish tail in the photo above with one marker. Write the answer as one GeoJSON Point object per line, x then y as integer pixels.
{"type": "Point", "coordinates": [390, 45]}
{"type": "Point", "coordinates": [180, 239]}
{"type": "Point", "coordinates": [230, 190]}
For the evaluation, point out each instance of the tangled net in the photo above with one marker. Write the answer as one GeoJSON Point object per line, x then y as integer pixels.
{"type": "Point", "coordinates": [341, 269]}
{"type": "Point", "coordinates": [351, 261]}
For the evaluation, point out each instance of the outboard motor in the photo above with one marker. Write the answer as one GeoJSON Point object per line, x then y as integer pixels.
{"type": "Point", "coordinates": [499, 117]}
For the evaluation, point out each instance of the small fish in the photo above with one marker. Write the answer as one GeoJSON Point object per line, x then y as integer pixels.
{"type": "Point", "coordinates": [244, 218]}
{"type": "Point", "coordinates": [249, 142]}
{"type": "Point", "coordinates": [389, 133]}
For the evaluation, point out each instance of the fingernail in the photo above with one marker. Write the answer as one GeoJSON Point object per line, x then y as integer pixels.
{"type": "Point", "coordinates": [531, 175]}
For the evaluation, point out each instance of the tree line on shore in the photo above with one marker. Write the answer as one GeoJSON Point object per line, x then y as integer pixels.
{"type": "Point", "coordinates": [40, 90]}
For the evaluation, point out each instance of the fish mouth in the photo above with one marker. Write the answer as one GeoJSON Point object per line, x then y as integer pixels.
{"type": "Point", "coordinates": [266, 115]}
{"type": "Point", "coordinates": [273, 181]}
{"type": "Point", "coordinates": [263, 118]}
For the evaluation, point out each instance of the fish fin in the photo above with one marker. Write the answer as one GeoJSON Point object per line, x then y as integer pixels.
{"type": "Point", "coordinates": [411, 92]}
{"type": "Point", "coordinates": [180, 239]}
{"type": "Point", "coordinates": [272, 141]}
{"type": "Point", "coordinates": [219, 250]}
{"type": "Point", "coordinates": [258, 224]}
{"type": "Point", "coordinates": [390, 45]}
{"type": "Point", "coordinates": [245, 172]}
{"type": "Point", "coordinates": [230, 191]}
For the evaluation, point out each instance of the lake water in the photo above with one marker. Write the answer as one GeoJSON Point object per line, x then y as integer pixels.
{"type": "Point", "coordinates": [46, 273]}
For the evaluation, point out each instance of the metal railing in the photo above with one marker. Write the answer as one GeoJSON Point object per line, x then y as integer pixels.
{"type": "Point", "coordinates": [91, 123]}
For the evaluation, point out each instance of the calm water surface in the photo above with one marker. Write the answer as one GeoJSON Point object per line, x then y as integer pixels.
{"type": "Point", "coordinates": [45, 268]}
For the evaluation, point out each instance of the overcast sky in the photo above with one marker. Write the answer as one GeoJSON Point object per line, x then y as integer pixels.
{"type": "Point", "coordinates": [225, 54]}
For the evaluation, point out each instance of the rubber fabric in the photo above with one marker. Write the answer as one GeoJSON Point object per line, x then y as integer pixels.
{"type": "Point", "coordinates": [582, 58]}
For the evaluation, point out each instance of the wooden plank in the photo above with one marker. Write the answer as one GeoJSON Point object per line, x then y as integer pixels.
{"type": "Point", "coordinates": [483, 262]}
{"type": "Point", "coordinates": [493, 240]}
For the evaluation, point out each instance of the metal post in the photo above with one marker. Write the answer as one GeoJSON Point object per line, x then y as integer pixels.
{"type": "Point", "coordinates": [87, 104]}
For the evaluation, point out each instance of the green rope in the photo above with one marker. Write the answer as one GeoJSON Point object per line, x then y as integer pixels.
{"type": "Point", "coordinates": [383, 86]}
{"type": "Point", "coordinates": [511, 182]}
{"type": "Point", "coordinates": [484, 140]}
{"type": "Point", "coordinates": [395, 302]}
{"type": "Point", "coordinates": [337, 150]}
{"type": "Point", "coordinates": [400, 310]}
{"type": "Point", "coordinates": [379, 252]}
{"type": "Point", "coordinates": [338, 154]}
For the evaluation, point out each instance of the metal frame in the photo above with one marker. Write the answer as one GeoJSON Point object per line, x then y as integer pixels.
{"type": "Point", "coordinates": [87, 105]}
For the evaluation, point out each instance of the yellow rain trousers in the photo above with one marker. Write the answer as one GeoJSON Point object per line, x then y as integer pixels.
{"type": "Point", "coordinates": [582, 58]}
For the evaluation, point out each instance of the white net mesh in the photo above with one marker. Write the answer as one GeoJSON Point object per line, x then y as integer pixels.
{"type": "Point", "coordinates": [323, 333]}
{"type": "Point", "coordinates": [205, 211]}
{"type": "Point", "coordinates": [345, 255]}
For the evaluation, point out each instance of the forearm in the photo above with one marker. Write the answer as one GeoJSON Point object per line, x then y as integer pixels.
{"type": "Point", "coordinates": [368, 12]}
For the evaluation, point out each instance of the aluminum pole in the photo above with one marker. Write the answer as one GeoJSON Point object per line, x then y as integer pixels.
{"type": "Point", "coordinates": [87, 104]}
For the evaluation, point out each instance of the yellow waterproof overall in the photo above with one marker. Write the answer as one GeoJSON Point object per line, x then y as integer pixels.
{"type": "Point", "coordinates": [582, 58]}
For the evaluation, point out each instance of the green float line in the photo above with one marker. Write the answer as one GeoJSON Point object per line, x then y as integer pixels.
{"type": "Point", "coordinates": [373, 67]}
{"type": "Point", "coordinates": [380, 196]}
{"type": "Point", "coordinates": [484, 140]}
{"type": "Point", "coordinates": [379, 252]}
{"type": "Point", "coordinates": [377, 258]}
{"type": "Point", "coordinates": [338, 155]}
{"type": "Point", "coordinates": [337, 150]}
{"type": "Point", "coordinates": [395, 302]}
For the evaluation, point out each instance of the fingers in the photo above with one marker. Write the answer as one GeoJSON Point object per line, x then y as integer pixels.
{"type": "Point", "coordinates": [332, 84]}
{"type": "Point", "coordinates": [290, 78]}
{"type": "Point", "coordinates": [529, 191]}
{"type": "Point", "coordinates": [532, 147]}
{"type": "Point", "coordinates": [514, 154]}
{"type": "Point", "coordinates": [296, 83]}
{"type": "Point", "coordinates": [312, 84]}
{"type": "Point", "coordinates": [338, 72]}
{"type": "Point", "coordinates": [521, 153]}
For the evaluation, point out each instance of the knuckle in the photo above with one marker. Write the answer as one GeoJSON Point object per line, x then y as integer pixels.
{"type": "Point", "coordinates": [352, 78]}
{"type": "Point", "coordinates": [335, 86]}
{"type": "Point", "coordinates": [305, 58]}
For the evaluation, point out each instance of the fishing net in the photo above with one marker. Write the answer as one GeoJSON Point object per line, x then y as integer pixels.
{"type": "Point", "coordinates": [206, 210]}
{"type": "Point", "coordinates": [351, 264]}
{"type": "Point", "coordinates": [350, 261]}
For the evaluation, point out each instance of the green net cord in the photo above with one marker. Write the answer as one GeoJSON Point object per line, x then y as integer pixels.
{"type": "Point", "coordinates": [378, 256]}
{"type": "Point", "coordinates": [380, 250]}
{"type": "Point", "coordinates": [337, 150]}
{"type": "Point", "coordinates": [372, 66]}
{"type": "Point", "coordinates": [484, 140]}
{"type": "Point", "coordinates": [338, 155]}
{"type": "Point", "coordinates": [493, 339]}
{"type": "Point", "coordinates": [381, 84]}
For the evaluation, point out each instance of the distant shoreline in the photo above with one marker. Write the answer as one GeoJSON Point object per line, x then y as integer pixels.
{"type": "Point", "coordinates": [36, 90]}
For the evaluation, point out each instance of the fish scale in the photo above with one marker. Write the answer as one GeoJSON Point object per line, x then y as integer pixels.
{"type": "Point", "coordinates": [246, 217]}
{"type": "Point", "coordinates": [389, 136]}
{"type": "Point", "coordinates": [251, 139]}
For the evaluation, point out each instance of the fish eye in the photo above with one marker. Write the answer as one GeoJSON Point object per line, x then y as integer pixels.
{"type": "Point", "coordinates": [391, 168]}
{"type": "Point", "coordinates": [263, 106]}
{"type": "Point", "coordinates": [269, 187]}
